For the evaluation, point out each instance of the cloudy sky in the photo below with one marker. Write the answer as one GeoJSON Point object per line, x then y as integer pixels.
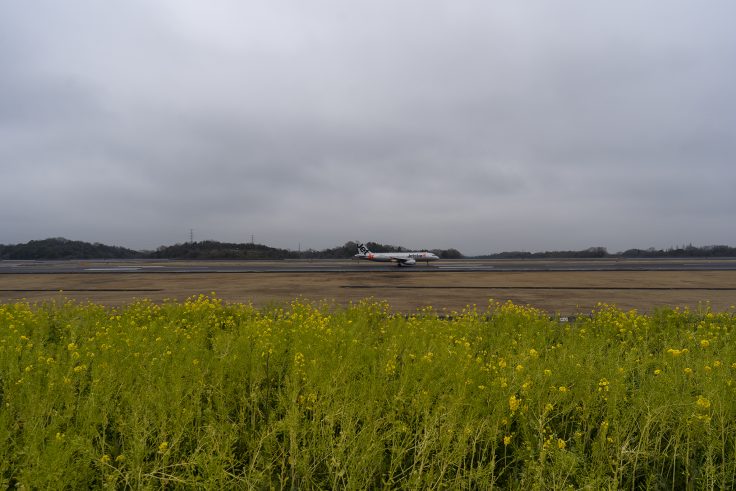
{"type": "Point", "coordinates": [483, 126]}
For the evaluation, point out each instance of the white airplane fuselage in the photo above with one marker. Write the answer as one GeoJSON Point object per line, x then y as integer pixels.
{"type": "Point", "coordinates": [401, 258]}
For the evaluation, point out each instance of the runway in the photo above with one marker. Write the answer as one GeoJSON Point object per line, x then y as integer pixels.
{"type": "Point", "coordinates": [556, 286]}
{"type": "Point", "coordinates": [355, 266]}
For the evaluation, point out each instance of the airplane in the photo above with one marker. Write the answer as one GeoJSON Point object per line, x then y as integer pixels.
{"type": "Point", "coordinates": [400, 258]}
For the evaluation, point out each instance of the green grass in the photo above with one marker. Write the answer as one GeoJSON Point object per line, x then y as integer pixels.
{"type": "Point", "coordinates": [210, 395]}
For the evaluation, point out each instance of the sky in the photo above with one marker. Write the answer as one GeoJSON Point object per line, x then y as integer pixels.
{"type": "Point", "coordinates": [476, 125]}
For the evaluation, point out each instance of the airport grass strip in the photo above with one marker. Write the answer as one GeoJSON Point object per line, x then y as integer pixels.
{"type": "Point", "coordinates": [204, 394]}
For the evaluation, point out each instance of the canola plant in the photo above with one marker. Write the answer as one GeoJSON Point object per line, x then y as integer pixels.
{"type": "Point", "coordinates": [315, 396]}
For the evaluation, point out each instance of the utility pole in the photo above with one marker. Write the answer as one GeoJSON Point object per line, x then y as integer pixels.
{"type": "Point", "coordinates": [252, 239]}
{"type": "Point", "coordinates": [191, 236]}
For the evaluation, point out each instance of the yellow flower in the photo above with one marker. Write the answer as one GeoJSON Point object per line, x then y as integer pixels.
{"type": "Point", "coordinates": [547, 372]}
{"type": "Point", "coordinates": [105, 459]}
{"type": "Point", "coordinates": [507, 439]}
{"type": "Point", "coordinates": [163, 447]}
{"type": "Point", "coordinates": [688, 370]}
{"type": "Point", "coordinates": [561, 443]}
{"type": "Point", "coordinates": [563, 388]}
{"type": "Point", "coordinates": [704, 343]}
{"type": "Point", "coordinates": [514, 403]}
{"type": "Point", "coordinates": [702, 402]}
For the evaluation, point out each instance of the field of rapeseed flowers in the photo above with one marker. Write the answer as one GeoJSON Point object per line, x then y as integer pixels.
{"type": "Point", "coordinates": [214, 395]}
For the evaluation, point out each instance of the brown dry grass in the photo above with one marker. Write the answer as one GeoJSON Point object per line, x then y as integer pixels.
{"type": "Point", "coordinates": [564, 292]}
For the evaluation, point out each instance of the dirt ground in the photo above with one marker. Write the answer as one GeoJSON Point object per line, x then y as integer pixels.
{"type": "Point", "coordinates": [568, 292]}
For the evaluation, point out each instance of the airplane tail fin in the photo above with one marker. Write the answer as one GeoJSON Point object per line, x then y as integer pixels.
{"type": "Point", "coordinates": [363, 250]}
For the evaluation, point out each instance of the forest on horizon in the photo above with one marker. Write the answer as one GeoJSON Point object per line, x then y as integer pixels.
{"type": "Point", "coordinates": [61, 248]}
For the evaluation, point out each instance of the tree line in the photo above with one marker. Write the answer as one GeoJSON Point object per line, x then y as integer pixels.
{"type": "Point", "coordinates": [602, 252]}
{"type": "Point", "coordinates": [61, 248]}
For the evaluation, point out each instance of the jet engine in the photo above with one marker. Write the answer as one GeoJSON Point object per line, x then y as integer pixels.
{"type": "Point", "coordinates": [407, 262]}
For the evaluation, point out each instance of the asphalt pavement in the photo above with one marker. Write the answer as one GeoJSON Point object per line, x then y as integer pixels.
{"type": "Point", "coordinates": [348, 265]}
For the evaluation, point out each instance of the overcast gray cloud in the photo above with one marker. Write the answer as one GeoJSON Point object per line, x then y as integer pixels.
{"type": "Point", "coordinates": [484, 126]}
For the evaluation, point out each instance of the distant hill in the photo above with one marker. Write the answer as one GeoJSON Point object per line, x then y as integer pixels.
{"type": "Point", "coordinates": [601, 252]}
{"type": "Point", "coordinates": [61, 248]}
{"type": "Point", "coordinates": [210, 249]}
{"type": "Point", "coordinates": [684, 251]}
{"type": "Point", "coordinates": [591, 252]}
